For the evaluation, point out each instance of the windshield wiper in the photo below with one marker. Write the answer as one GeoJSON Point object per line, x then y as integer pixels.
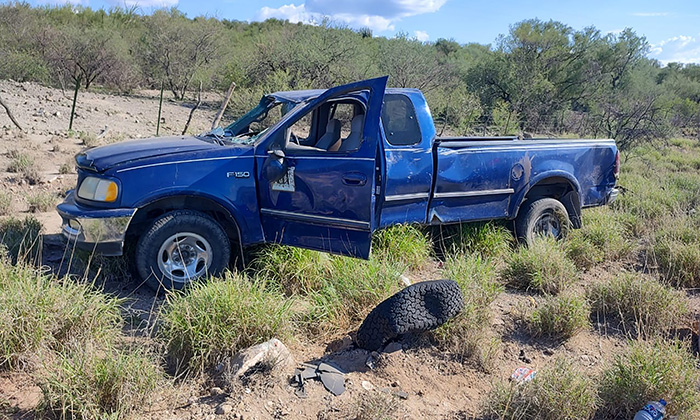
{"type": "Point", "coordinates": [217, 134]}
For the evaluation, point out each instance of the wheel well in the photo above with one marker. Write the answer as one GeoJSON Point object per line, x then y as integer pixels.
{"type": "Point", "coordinates": [145, 215]}
{"type": "Point", "coordinates": [561, 189]}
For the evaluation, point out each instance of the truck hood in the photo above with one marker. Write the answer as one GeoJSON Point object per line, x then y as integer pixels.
{"type": "Point", "coordinates": [105, 157]}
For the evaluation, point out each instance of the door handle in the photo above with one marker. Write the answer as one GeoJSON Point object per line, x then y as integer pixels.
{"type": "Point", "coordinates": [354, 179]}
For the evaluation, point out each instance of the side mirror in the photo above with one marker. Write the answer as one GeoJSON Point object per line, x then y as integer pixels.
{"type": "Point", "coordinates": [275, 166]}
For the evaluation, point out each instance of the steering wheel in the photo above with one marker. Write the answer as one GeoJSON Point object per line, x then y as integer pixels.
{"type": "Point", "coordinates": [293, 138]}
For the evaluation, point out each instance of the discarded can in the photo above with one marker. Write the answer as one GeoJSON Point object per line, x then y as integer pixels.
{"type": "Point", "coordinates": [522, 375]}
{"type": "Point", "coordinates": [652, 411]}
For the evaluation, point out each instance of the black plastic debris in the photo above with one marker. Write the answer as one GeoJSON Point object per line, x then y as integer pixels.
{"type": "Point", "coordinates": [332, 377]}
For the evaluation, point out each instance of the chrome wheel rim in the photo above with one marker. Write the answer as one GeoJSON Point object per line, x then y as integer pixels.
{"type": "Point", "coordinates": [184, 257]}
{"type": "Point", "coordinates": [548, 224]}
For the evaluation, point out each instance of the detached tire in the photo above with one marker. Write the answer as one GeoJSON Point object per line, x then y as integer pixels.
{"type": "Point", "coordinates": [542, 217]}
{"type": "Point", "coordinates": [180, 247]}
{"type": "Point", "coordinates": [419, 307]}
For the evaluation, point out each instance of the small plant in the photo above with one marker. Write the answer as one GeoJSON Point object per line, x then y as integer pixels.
{"type": "Point", "coordinates": [603, 237]}
{"type": "Point", "coordinates": [88, 139]}
{"type": "Point", "coordinates": [296, 270]}
{"type": "Point", "coordinates": [19, 162]}
{"type": "Point", "coordinates": [41, 202]}
{"type": "Point", "coordinates": [489, 239]}
{"type": "Point", "coordinates": [40, 313]}
{"type": "Point", "coordinates": [90, 383]}
{"type": "Point", "coordinates": [216, 318]}
{"type": "Point", "coordinates": [648, 372]}
{"type": "Point", "coordinates": [21, 238]}
{"type": "Point", "coordinates": [404, 245]}
{"type": "Point", "coordinates": [677, 253]}
{"type": "Point", "coordinates": [640, 303]}
{"type": "Point", "coordinates": [5, 203]}
{"type": "Point", "coordinates": [66, 168]}
{"type": "Point", "coordinates": [558, 392]}
{"type": "Point", "coordinates": [543, 267]}
{"type": "Point", "coordinates": [560, 316]}
{"type": "Point", "coordinates": [466, 335]}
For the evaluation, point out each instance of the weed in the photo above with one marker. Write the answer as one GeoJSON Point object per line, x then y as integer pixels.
{"type": "Point", "coordinates": [21, 238]}
{"type": "Point", "coordinates": [677, 252]}
{"type": "Point", "coordinates": [19, 162]}
{"type": "Point", "coordinates": [40, 313]}
{"type": "Point", "coordinates": [296, 270]}
{"type": "Point", "coordinates": [5, 203]}
{"type": "Point", "coordinates": [560, 316]}
{"type": "Point", "coordinates": [557, 392]}
{"type": "Point", "coordinates": [466, 335]}
{"type": "Point", "coordinates": [218, 317]}
{"type": "Point", "coordinates": [603, 237]}
{"type": "Point", "coordinates": [543, 267]}
{"type": "Point", "coordinates": [41, 202]}
{"type": "Point", "coordinates": [648, 372]}
{"type": "Point", "coordinates": [66, 168]}
{"type": "Point", "coordinates": [85, 383]}
{"type": "Point", "coordinates": [489, 239]}
{"type": "Point", "coordinates": [641, 304]}
{"type": "Point", "coordinates": [404, 245]}
{"type": "Point", "coordinates": [88, 139]}
{"type": "Point", "coordinates": [379, 406]}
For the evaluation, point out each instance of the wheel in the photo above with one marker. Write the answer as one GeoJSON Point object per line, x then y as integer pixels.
{"type": "Point", "coordinates": [542, 217]}
{"type": "Point", "coordinates": [180, 247]}
{"type": "Point", "coordinates": [419, 307]}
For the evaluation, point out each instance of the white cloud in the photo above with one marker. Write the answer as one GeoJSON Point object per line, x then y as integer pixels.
{"type": "Point", "coordinates": [650, 14]}
{"type": "Point", "coordinates": [422, 36]}
{"type": "Point", "coordinates": [378, 16]}
{"type": "Point", "coordinates": [680, 49]}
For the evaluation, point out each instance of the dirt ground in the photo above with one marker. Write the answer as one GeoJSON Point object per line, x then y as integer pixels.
{"type": "Point", "coordinates": [434, 385]}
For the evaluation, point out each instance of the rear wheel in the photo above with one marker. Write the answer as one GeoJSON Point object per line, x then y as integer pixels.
{"type": "Point", "coordinates": [180, 247]}
{"type": "Point", "coordinates": [542, 217]}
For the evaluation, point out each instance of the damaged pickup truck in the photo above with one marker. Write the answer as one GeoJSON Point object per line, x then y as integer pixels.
{"type": "Point", "coordinates": [321, 169]}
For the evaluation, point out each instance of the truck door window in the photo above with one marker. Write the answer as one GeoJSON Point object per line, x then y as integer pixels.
{"type": "Point", "coordinates": [334, 127]}
{"type": "Point", "coordinates": [399, 121]}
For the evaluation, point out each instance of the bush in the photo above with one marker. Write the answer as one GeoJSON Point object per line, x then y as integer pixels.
{"type": "Point", "coordinates": [489, 239]}
{"type": "Point", "coordinates": [296, 270]}
{"type": "Point", "coordinates": [677, 252]}
{"type": "Point", "coordinates": [641, 304]}
{"type": "Point", "coordinates": [603, 237]}
{"type": "Point", "coordinates": [560, 317]}
{"type": "Point", "coordinates": [88, 139]}
{"type": "Point", "coordinates": [466, 336]}
{"type": "Point", "coordinates": [216, 318]}
{"type": "Point", "coordinates": [85, 383]}
{"type": "Point", "coordinates": [41, 202]}
{"type": "Point", "coordinates": [40, 313]}
{"type": "Point", "coordinates": [648, 372]}
{"type": "Point", "coordinates": [19, 162]}
{"type": "Point", "coordinates": [402, 245]}
{"type": "Point", "coordinates": [543, 267]}
{"type": "Point", "coordinates": [21, 239]}
{"type": "Point", "coordinates": [558, 392]}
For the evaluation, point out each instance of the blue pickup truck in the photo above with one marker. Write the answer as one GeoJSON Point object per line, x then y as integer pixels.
{"type": "Point", "coordinates": [321, 169]}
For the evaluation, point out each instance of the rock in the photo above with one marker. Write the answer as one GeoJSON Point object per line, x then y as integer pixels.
{"type": "Point", "coordinates": [393, 347]}
{"type": "Point", "coordinates": [224, 409]}
{"type": "Point", "coordinates": [272, 352]}
{"type": "Point", "coordinates": [367, 385]}
{"type": "Point", "coordinates": [216, 391]}
{"type": "Point", "coordinates": [57, 114]}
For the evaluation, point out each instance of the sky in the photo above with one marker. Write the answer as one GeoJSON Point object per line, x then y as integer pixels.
{"type": "Point", "coordinates": [670, 26]}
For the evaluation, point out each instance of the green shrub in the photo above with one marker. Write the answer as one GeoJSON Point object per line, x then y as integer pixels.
{"type": "Point", "coordinates": [466, 336]}
{"type": "Point", "coordinates": [296, 270]}
{"type": "Point", "coordinates": [603, 237]}
{"type": "Point", "coordinates": [648, 372]}
{"type": "Point", "coordinates": [643, 305]}
{"type": "Point", "coordinates": [5, 203]}
{"type": "Point", "coordinates": [91, 384]}
{"type": "Point", "coordinates": [489, 239]}
{"type": "Point", "coordinates": [402, 245]}
{"type": "Point", "coordinates": [41, 202]}
{"type": "Point", "coordinates": [557, 392]}
{"type": "Point", "coordinates": [676, 250]}
{"type": "Point", "coordinates": [560, 316]}
{"type": "Point", "coordinates": [216, 318]}
{"type": "Point", "coordinates": [21, 239]}
{"type": "Point", "coordinates": [543, 267]}
{"type": "Point", "coordinates": [40, 313]}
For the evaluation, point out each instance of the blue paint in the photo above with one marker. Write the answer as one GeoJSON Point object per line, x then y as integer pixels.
{"type": "Point", "coordinates": [338, 198]}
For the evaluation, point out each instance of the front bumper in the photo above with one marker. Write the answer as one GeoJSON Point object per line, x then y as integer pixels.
{"type": "Point", "coordinates": [612, 196]}
{"type": "Point", "coordinates": [99, 230]}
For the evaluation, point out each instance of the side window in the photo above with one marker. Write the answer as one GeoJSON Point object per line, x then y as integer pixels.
{"type": "Point", "coordinates": [334, 126]}
{"type": "Point", "coordinates": [399, 121]}
{"type": "Point", "coordinates": [301, 129]}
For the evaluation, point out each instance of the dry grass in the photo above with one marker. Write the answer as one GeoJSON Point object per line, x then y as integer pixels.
{"type": "Point", "coordinates": [542, 267]}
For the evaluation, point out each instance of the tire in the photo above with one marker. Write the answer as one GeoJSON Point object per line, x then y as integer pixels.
{"type": "Point", "coordinates": [542, 217]}
{"type": "Point", "coordinates": [419, 307]}
{"type": "Point", "coordinates": [180, 247]}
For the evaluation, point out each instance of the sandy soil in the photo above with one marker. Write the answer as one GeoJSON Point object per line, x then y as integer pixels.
{"type": "Point", "coordinates": [436, 386]}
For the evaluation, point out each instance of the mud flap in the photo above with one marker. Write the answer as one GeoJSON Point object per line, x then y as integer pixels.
{"type": "Point", "coordinates": [573, 206]}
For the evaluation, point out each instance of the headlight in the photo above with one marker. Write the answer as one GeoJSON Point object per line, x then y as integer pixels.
{"type": "Point", "coordinates": [97, 189]}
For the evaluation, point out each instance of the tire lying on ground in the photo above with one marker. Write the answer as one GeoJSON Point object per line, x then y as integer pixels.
{"type": "Point", "coordinates": [419, 307]}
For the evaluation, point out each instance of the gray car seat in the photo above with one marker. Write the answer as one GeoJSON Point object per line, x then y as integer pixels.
{"type": "Point", "coordinates": [331, 136]}
{"type": "Point", "coordinates": [354, 139]}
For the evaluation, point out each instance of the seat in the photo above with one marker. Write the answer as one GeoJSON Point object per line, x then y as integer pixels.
{"type": "Point", "coordinates": [354, 139]}
{"type": "Point", "coordinates": [331, 136]}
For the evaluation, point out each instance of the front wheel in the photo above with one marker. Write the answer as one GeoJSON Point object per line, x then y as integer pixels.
{"type": "Point", "coordinates": [180, 247]}
{"type": "Point", "coordinates": [542, 217]}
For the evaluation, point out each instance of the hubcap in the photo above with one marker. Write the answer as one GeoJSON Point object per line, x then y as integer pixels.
{"type": "Point", "coordinates": [184, 257]}
{"type": "Point", "coordinates": [548, 225]}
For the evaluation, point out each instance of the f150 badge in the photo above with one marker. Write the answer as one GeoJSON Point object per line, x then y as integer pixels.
{"type": "Point", "coordinates": [244, 174]}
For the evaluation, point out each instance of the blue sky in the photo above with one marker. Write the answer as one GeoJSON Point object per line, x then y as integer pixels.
{"type": "Point", "coordinates": [671, 26]}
